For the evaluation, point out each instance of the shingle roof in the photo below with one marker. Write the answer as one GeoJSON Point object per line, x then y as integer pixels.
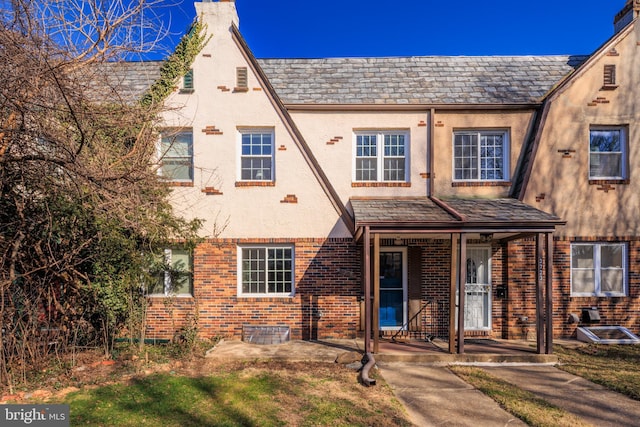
{"type": "Point", "coordinates": [391, 211]}
{"type": "Point", "coordinates": [499, 210]}
{"type": "Point", "coordinates": [423, 211]}
{"type": "Point", "coordinates": [418, 80]}
{"type": "Point", "coordinates": [125, 80]}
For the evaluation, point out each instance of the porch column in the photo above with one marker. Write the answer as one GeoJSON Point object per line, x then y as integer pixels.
{"type": "Point", "coordinates": [376, 292]}
{"type": "Point", "coordinates": [462, 279]}
{"type": "Point", "coordinates": [549, 295]}
{"type": "Point", "coordinates": [367, 290]}
{"type": "Point", "coordinates": [453, 283]}
{"type": "Point", "coordinates": [540, 333]}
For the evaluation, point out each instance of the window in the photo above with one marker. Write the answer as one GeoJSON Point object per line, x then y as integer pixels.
{"type": "Point", "coordinates": [266, 271]}
{"type": "Point", "coordinates": [609, 76]}
{"type": "Point", "coordinates": [607, 153]}
{"type": "Point", "coordinates": [173, 275]}
{"type": "Point", "coordinates": [598, 269]}
{"type": "Point", "coordinates": [381, 156]}
{"type": "Point", "coordinates": [187, 82]}
{"type": "Point", "coordinates": [256, 160]}
{"type": "Point", "coordinates": [176, 152]}
{"type": "Point", "coordinates": [480, 156]}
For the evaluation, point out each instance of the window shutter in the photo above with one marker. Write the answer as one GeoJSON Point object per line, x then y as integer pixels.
{"type": "Point", "coordinates": [187, 81]}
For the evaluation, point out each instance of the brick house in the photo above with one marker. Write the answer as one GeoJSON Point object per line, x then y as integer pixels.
{"type": "Point", "coordinates": [405, 179]}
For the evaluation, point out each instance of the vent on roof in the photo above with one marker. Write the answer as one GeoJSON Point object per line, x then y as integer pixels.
{"type": "Point", "coordinates": [242, 80]}
{"type": "Point", "coordinates": [610, 76]}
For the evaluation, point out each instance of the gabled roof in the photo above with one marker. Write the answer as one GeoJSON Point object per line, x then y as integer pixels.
{"type": "Point", "coordinates": [418, 80]}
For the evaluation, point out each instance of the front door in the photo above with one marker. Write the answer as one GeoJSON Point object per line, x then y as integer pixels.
{"type": "Point", "coordinates": [477, 308]}
{"type": "Point", "coordinates": [393, 288]}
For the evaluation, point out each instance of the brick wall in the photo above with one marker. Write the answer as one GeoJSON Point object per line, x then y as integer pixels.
{"type": "Point", "coordinates": [325, 305]}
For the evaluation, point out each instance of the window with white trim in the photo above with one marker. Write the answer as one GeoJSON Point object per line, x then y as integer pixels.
{"type": "Point", "coordinates": [381, 156]}
{"type": "Point", "coordinates": [176, 154]}
{"type": "Point", "coordinates": [266, 271]}
{"type": "Point", "coordinates": [173, 276]}
{"type": "Point", "coordinates": [599, 269]}
{"type": "Point", "coordinates": [257, 155]}
{"type": "Point", "coordinates": [480, 155]}
{"type": "Point", "coordinates": [607, 152]}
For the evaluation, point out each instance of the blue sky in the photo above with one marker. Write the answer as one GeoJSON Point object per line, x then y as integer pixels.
{"type": "Point", "coordinates": [336, 28]}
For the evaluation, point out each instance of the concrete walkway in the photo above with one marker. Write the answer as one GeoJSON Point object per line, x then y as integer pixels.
{"type": "Point", "coordinates": [434, 396]}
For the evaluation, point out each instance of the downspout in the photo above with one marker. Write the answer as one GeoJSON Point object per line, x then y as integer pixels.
{"type": "Point", "coordinates": [430, 136]}
{"type": "Point", "coordinates": [367, 359]}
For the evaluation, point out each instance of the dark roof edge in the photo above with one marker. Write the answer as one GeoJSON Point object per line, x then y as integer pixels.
{"type": "Point", "coordinates": [295, 133]}
{"type": "Point", "coordinates": [409, 107]}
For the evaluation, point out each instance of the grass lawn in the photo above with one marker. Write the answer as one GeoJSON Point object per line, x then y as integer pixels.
{"type": "Point", "coordinates": [241, 394]}
{"type": "Point", "coordinates": [616, 367]}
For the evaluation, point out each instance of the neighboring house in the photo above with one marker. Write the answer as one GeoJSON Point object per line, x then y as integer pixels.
{"type": "Point", "coordinates": [324, 180]}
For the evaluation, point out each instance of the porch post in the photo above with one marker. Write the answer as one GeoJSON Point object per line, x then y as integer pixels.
{"type": "Point", "coordinates": [452, 293]}
{"type": "Point", "coordinates": [376, 292]}
{"type": "Point", "coordinates": [367, 290]}
{"type": "Point", "coordinates": [549, 295]}
{"type": "Point", "coordinates": [462, 279]}
{"type": "Point", "coordinates": [540, 334]}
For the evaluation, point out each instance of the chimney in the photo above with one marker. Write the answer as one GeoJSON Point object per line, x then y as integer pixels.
{"type": "Point", "coordinates": [217, 14]}
{"type": "Point", "coordinates": [629, 12]}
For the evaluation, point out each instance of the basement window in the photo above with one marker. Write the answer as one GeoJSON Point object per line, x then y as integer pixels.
{"type": "Point", "coordinates": [607, 335]}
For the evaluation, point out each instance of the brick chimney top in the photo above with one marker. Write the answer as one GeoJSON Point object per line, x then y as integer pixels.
{"type": "Point", "coordinates": [629, 12]}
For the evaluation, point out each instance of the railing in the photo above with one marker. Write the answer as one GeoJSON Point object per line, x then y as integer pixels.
{"type": "Point", "coordinates": [404, 330]}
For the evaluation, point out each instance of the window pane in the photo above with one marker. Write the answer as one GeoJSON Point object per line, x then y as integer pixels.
{"type": "Point", "coordinates": [606, 141]}
{"type": "Point", "coordinates": [582, 256]}
{"type": "Point", "coordinates": [606, 165]}
{"type": "Point", "coordinates": [181, 264]}
{"type": "Point", "coordinates": [394, 170]}
{"type": "Point", "coordinates": [611, 256]}
{"type": "Point", "coordinates": [582, 281]}
{"type": "Point", "coordinates": [612, 280]}
{"type": "Point", "coordinates": [366, 169]}
{"type": "Point", "coordinates": [177, 170]}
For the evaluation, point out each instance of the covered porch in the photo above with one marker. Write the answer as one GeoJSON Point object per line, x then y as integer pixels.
{"type": "Point", "coordinates": [418, 253]}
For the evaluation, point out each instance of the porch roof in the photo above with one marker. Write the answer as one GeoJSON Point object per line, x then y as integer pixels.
{"type": "Point", "coordinates": [451, 214]}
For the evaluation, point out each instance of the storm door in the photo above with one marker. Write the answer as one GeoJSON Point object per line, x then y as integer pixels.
{"type": "Point", "coordinates": [477, 308]}
{"type": "Point", "coordinates": [393, 288]}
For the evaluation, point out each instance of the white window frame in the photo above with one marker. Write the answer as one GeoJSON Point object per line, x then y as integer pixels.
{"type": "Point", "coordinates": [187, 160]}
{"type": "Point", "coordinates": [271, 156]}
{"type": "Point", "coordinates": [478, 133]}
{"type": "Point", "coordinates": [168, 255]}
{"type": "Point", "coordinates": [624, 147]}
{"type": "Point", "coordinates": [380, 154]}
{"type": "Point", "coordinates": [266, 294]}
{"type": "Point", "coordinates": [597, 270]}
